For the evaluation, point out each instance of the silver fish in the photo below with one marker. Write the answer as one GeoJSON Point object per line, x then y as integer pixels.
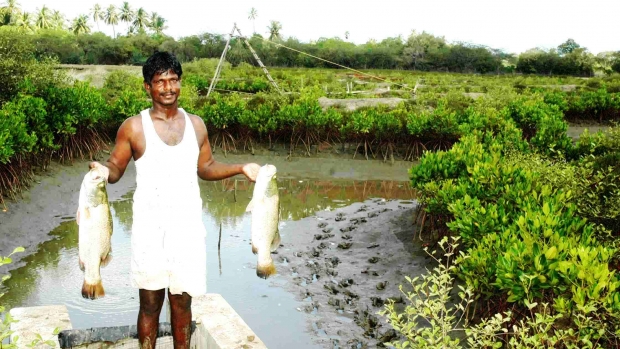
{"type": "Point", "coordinates": [265, 208]}
{"type": "Point", "coordinates": [95, 231]}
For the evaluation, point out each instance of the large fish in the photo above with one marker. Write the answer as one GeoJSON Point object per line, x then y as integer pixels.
{"type": "Point", "coordinates": [95, 232]}
{"type": "Point", "coordinates": [265, 208]}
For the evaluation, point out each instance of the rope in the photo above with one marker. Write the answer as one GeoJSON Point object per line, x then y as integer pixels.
{"type": "Point", "coordinates": [339, 65]}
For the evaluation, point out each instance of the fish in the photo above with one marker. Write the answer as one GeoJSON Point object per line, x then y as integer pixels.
{"type": "Point", "coordinates": [95, 231]}
{"type": "Point", "coordinates": [265, 209]}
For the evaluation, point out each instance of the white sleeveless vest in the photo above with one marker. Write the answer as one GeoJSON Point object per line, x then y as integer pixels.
{"type": "Point", "coordinates": [168, 235]}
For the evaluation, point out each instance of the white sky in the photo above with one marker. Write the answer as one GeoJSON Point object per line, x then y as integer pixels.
{"type": "Point", "coordinates": [514, 26]}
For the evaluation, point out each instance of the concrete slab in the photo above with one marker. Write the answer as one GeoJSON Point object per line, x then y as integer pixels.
{"type": "Point", "coordinates": [40, 320]}
{"type": "Point", "coordinates": [218, 326]}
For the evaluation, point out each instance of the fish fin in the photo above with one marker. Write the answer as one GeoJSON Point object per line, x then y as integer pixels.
{"type": "Point", "coordinates": [86, 213]}
{"type": "Point", "coordinates": [77, 216]}
{"type": "Point", "coordinates": [254, 248]}
{"type": "Point", "coordinates": [276, 241]}
{"type": "Point", "coordinates": [250, 206]}
{"type": "Point", "coordinates": [106, 260]}
{"type": "Point", "coordinates": [265, 270]}
{"type": "Point", "coordinates": [81, 264]}
{"type": "Point", "coordinates": [92, 291]}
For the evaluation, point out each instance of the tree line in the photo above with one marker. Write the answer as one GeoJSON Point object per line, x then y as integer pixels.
{"type": "Point", "coordinates": [74, 42]}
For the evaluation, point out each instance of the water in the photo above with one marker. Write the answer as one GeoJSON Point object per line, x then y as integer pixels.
{"type": "Point", "coordinates": [51, 276]}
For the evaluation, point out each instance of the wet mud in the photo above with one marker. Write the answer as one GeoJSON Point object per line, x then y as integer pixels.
{"type": "Point", "coordinates": [344, 264]}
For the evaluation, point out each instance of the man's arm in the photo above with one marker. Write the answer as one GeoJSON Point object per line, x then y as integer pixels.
{"type": "Point", "coordinates": [211, 170]}
{"type": "Point", "coordinates": [121, 154]}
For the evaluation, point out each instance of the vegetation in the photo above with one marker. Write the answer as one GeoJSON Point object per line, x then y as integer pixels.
{"type": "Point", "coordinates": [535, 213]}
{"type": "Point", "coordinates": [72, 41]}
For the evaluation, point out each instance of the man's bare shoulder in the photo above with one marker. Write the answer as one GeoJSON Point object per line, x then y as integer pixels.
{"type": "Point", "coordinates": [197, 121]}
{"type": "Point", "coordinates": [131, 126]}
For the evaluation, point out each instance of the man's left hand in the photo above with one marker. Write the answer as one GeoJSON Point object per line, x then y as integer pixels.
{"type": "Point", "coordinates": [251, 171]}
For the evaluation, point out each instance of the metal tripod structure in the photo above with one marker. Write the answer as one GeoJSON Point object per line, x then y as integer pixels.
{"type": "Point", "coordinates": [218, 70]}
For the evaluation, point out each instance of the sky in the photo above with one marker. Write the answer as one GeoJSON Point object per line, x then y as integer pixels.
{"type": "Point", "coordinates": [513, 26]}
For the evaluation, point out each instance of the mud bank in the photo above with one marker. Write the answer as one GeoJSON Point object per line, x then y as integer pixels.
{"type": "Point", "coordinates": [344, 264]}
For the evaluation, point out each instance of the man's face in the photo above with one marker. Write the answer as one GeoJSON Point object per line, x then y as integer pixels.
{"type": "Point", "coordinates": [164, 88]}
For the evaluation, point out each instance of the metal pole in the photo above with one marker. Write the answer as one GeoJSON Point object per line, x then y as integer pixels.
{"type": "Point", "coordinates": [260, 63]}
{"type": "Point", "coordinates": [219, 65]}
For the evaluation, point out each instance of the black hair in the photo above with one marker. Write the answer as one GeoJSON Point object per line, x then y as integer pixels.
{"type": "Point", "coordinates": [158, 63]}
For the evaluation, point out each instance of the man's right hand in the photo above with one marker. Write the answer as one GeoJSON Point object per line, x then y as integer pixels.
{"type": "Point", "coordinates": [104, 170]}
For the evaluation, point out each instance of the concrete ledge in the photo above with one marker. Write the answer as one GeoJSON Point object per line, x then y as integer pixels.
{"type": "Point", "coordinates": [215, 325]}
{"type": "Point", "coordinates": [218, 326]}
{"type": "Point", "coordinates": [40, 320]}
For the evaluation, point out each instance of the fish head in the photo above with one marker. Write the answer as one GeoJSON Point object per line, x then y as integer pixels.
{"type": "Point", "coordinates": [266, 183]}
{"type": "Point", "coordinates": [267, 173]}
{"type": "Point", "coordinates": [94, 187]}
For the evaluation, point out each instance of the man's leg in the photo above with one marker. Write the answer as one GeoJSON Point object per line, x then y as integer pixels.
{"type": "Point", "coordinates": [180, 319]}
{"type": "Point", "coordinates": [148, 317]}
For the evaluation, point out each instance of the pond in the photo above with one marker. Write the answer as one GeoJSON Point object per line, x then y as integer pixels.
{"type": "Point", "coordinates": [51, 276]}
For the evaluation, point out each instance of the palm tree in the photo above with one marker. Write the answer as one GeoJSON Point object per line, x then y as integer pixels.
{"type": "Point", "coordinates": [80, 25]}
{"type": "Point", "coordinates": [274, 30]}
{"type": "Point", "coordinates": [252, 16]}
{"type": "Point", "coordinates": [140, 20]}
{"type": "Point", "coordinates": [111, 18]}
{"type": "Point", "coordinates": [24, 22]}
{"type": "Point", "coordinates": [58, 20]}
{"type": "Point", "coordinates": [97, 14]}
{"type": "Point", "coordinates": [126, 14]}
{"type": "Point", "coordinates": [43, 20]}
{"type": "Point", "coordinates": [158, 25]}
{"type": "Point", "coordinates": [346, 35]}
{"type": "Point", "coordinates": [9, 11]}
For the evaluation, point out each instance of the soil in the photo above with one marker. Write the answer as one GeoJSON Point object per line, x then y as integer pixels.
{"type": "Point", "coordinates": [344, 264]}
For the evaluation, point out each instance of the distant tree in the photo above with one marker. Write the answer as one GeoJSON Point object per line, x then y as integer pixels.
{"type": "Point", "coordinates": [24, 22]}
{"type": "Point", "coordinates": [97, 14]}
{"type": "Point", "coordinates": [346, 35]}
{"type": "Point", "coordinates": [252, 16]}
{"type": "Point", "coordinates": [158, 25]}
{"type": "Point", "coordinates": [43, 20]}
{"type": "Point", "coordinates": [140, 21]}
{"type": "Point", "coordinates": [111, 18]}
{"type": "Point", "coordinates": [274, 30]}
{"type": "Point", "coordinates": [9, 12]}
{"type": "Point", "coordinates": [58, 20]}
{"type": "Point", "coordinates": [126, 14]}
{"type": "Point", "coordinates": [567, 47]}
{"type": "Point", "coordinates": [80, 25]}
{"type": "Point", "coordinates": [419, 48]}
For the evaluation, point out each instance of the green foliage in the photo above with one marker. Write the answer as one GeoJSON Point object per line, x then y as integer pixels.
{"type": "Point", "coordinates": [5, 325]}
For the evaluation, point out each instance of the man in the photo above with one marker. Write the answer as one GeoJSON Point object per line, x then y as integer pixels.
{"type": "Point", "coordinates": [170, 149]}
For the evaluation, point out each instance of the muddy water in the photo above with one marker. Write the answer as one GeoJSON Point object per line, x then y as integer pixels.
{"type": "Point", "coordinates": [52, 276]}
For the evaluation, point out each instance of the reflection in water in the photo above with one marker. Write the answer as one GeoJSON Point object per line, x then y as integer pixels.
{"type": "Point", "coordinates": [52, 276]}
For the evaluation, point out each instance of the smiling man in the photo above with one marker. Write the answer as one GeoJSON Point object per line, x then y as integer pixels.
{"type": "Point", "coordinates": [171, 151]}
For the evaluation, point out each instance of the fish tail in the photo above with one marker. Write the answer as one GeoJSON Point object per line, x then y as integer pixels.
{"type": "Point", "coordinates": [92, 291]}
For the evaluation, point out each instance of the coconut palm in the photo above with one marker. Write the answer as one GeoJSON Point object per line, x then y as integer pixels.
{"type": "Point", "coordinates": [140, 20]}
{"type": "Point", "coordinates": [111, 17]}
{"type": "Point", "coordinates": [57, 20]}
{"type": "Point", "coordinates": [274, 30]}
{"type": "Point", "coordinates": [80, 25]}
{"type": "Point", "coordinates": [98, 14]}
{"type": "Point", "coordinates": [252, 16]}
{"type": "Point", "coordinates": [9, 12]}
{"type": "Point", "coordinates": [44, 19]}
{"type": "Point", "coordinates": [127, 14]}
{"type": "Point", "coordinates": [158, 25]}
{"type": "Point", "coordinates": [24, 22]}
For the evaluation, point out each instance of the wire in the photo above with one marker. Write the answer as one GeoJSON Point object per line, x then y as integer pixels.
{"type": "Point", "coordinates": [340, 65]}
